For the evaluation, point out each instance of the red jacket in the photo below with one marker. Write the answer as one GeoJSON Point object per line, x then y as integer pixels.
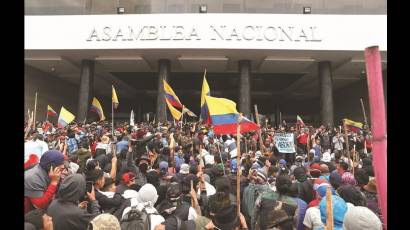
{"type": "Point", "coordinates": [40, 202]}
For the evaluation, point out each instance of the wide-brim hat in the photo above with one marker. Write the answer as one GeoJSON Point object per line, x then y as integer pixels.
{"type": "Point", "coordinates": [371, 186]}
{"type": "Point", "coordinates": [226, 218]}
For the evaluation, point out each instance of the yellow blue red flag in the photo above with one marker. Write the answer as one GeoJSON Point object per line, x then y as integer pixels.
{"type": "Point", "coordinates": [171, 97]}
{"type": "Point", "coordinates": [224, 117]}
{"type": "Point", "coordinates": [65, 118]}
{"type": "Point", "coordinates": [174, 112]}
{"type": "Point", "coordinates": [97, 108]}
{"type": "Point", "coordinates": [353, 125]}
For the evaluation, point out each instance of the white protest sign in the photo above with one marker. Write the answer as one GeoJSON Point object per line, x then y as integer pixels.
{"type": "Point", "coordinates": [284, 142]}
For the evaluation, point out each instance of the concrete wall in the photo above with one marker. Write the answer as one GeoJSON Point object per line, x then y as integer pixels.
{"type": "Point", "coordinates": [57, 92]}
{"type": "Point", "coordinates": [51, 91]}
{"type": "Point", "coordinates": [347, 101]}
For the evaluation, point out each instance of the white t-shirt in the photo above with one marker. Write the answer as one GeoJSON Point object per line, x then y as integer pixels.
{"type": "Point", "coordinates": [192, 214]}
{"type": "Point", "coordinates": [312, 218]}
{"type": "Point", "coordinates": [34, 147]}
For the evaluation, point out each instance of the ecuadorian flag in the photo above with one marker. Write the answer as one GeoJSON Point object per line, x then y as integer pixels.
{"type": "Point", "coordinates": [51, 112]}
{"type": "Point", "coordinates": [174, 112]}
{"type": "Point", "coordinates": [352, 125]}
{"type": "Point", "coordinates": [171, 97]}
{"type": "Point", "coordinates": [224, 117]}
{"type": "Point", "coordinates": [204, 108]}
{"type": "Point", "coordinates": [97, 108]}
{"type": "Point", "coordinates": [65, 118]}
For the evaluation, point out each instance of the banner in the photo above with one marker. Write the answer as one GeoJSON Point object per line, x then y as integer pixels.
{"type": "Point", "coordinates": [285, 142]}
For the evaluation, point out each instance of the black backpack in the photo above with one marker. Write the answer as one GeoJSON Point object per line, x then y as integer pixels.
{"type": "Point", "coordinates": [136, 220]}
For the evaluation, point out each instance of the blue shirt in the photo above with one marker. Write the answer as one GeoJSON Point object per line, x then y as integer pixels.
{"type": "Point", "coordinates": [178, 161]}
{"type": "Point", "coordinates": [121, 146]}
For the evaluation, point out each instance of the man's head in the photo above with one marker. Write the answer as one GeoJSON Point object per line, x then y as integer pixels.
{"type": "Point", "coordinates": [342, 166]}
{"type": "Point", "coordinates": [315, 170]}
{"type": "Point", "coordinates": [52, 159]}
{"type": "Point", "coordinates": [283, 183]}
{"type": "Point", "coordinates": [109, 185]}
{"type": "Point", "coordinates": [361, 177]}
{"type": "Point", "coordinates": [97, 177]}
{"type": "Point", "coordinates": [174, 192]}
{"type": "Point", "coordinates": [143, 163]}
{"type": "Point", "coordinates": [128, 179]}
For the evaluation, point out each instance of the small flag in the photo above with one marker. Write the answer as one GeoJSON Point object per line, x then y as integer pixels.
{"type": "Point", "coordinates": [132, 118]}
{"type": "Point", "coordinates": [187, 111]}
{"type": "Point", "coordinates": [299, 121]}
{"type": "Point", "coordinates": [224, 117]}
{"type": "Point", "coordinates": [171, 97]}
{"type": "Point", "coordinates": [114, 98]}
{"type": "Point", "coordinates": [352, 125]}
{"type": "Point", "coordinates": [65, 118]}
{"type": "Point", "coordinates": [51, 112]}
{"type": "Point", "coordinates": [175, 113]}
{"type": "Point", "coordinates": [96, 107]}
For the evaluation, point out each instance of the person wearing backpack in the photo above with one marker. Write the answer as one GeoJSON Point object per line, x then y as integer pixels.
{"type": "Point", "coordinates": [174, 205]}
{"type": "Point", "coordinates": [142, 215]}
{"type": "Point", "coordinates": [276, 209]}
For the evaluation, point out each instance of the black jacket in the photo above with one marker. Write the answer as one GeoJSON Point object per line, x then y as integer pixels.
{"type": "Point", "coordinates": [65, 211]}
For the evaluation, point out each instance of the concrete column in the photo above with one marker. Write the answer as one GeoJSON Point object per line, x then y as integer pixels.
{"type": "Point", "coordinates": [245, 87]}
{"type": "Point", "coordinates": [164, 68]}
{"type": "Point", "coordinates": [326, 93]}
{"type": "Point", "coordinates": [86, 89]}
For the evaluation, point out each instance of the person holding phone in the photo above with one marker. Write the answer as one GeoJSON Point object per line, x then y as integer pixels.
{"type": "Point", "coordinates": [66, 212]}
{"type": "Point", "coordinates": [41, 181]}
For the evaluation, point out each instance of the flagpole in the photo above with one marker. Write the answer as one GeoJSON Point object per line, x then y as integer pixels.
{"type": "Point", "coordinates": [35, 111]}
{"type": "Point", "coordinates": [364, 111]}
{"type": "Point", "coordinates": [47, 114]}
{"type": "Point", "coordinates": [182, 114]}
{"type": "Point", "coordinates": [347, 142]}
{"type": "Point", "coordinates": [238, 162]}
{"type": "Point", "coordinates": [220, 155]}
{"type": "Point", "coordinates": [280, 119]}
{"type": "Point", "coordinates": [112, 118]}
{"type": "Point", "coordinates": [259, 130]}
{"type": "Point", "coordinates": [329, 210]}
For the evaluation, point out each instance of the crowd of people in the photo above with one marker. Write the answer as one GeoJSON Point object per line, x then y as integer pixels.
{"type": "Point", "coordinates": [184, 176]}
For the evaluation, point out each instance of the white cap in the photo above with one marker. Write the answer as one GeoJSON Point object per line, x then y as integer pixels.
{"type": "Point", "coordinates": [326, 157]}
{"type": "Point", "coordinates": [233, 153]}
{"type": "Point", "coordinates": [209, 159]}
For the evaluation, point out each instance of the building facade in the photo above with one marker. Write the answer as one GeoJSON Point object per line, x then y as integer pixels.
{"type": "Point", "coordinates": [255, 52]}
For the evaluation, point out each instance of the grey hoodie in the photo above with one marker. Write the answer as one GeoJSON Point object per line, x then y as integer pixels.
{"type": "Point", "coordinates": [65, 211]}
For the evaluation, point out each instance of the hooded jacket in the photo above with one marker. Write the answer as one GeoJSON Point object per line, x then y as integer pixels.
{"type": "Point", "coordinates": [83, 155]}
{"type": "Point", "coordinates": [65, 211]}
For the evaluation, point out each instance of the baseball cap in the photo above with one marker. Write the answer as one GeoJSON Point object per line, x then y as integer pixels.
{"type": "Point", "coordinates": [282, 162]}
{"type": "Point", "coordinates": [163, 165]}
{"type": "Point", "coordinates": [127, 177]}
